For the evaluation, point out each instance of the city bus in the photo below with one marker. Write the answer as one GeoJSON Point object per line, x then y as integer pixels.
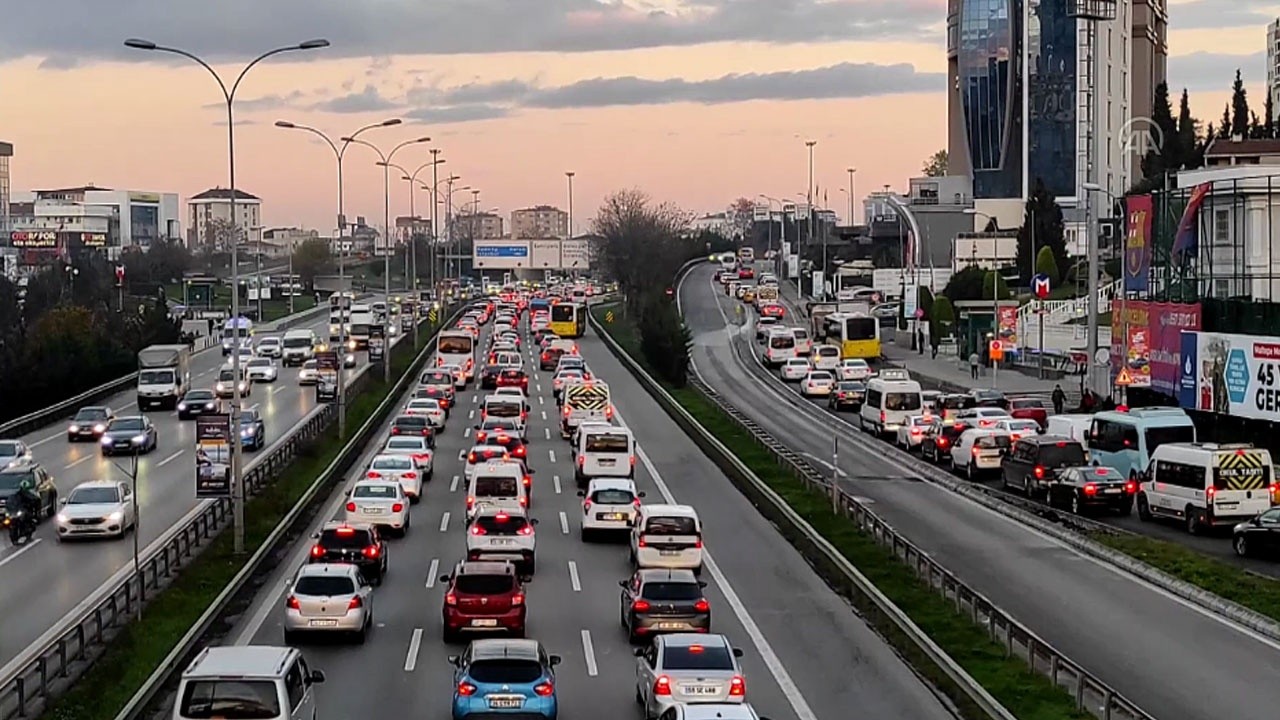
{"type": "Point", "coordinates": [457, 347]}
{"type": "Point", "coordinates": [746, 255]}
{"type": "Point", "coordinates": [856, 334]}
{"type": "Point", "coordinates": [568, 319]}
{"type": "Point", "coordinates": [1125, 441]}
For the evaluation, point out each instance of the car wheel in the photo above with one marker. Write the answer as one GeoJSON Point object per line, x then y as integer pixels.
{"type": "Point", "coordinates": [1240, 545]}
{"type": "Point", "coordinates": [1144, 509]}
{"type": "Point", "coordinates": [1192, 519]}
{"type": "Point", "coordinates": [362, 635]}
{"type": "Point", "coordinates": [969, 472]}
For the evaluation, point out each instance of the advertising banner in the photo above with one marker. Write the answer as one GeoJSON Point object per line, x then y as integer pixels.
{"type": "Point", "coordinates": [1137, 243]}
{"type": "Point", "coordinates": [1164, 323]}
{"type": "Point", "coordinates": [1008, 328]}
{"type": "Point", "coordinates": [500, 254]}
{"type": "Point", "coordinates": [326, 376]}
{"type": "Point", "coordinates": [377, 343]}
{"type": "Point", "coordinates": [34, 239]}
{"type": "Point", "coordinates": [1231, 374]}
{"type": "Point", "coordinates": [1138, 358]}
{"type": "Point", "coordinates": [213, 456]}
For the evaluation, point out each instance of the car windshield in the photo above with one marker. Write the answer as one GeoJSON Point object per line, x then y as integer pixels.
{"type": "Point", "coordinates": [260, 362]}
{"type": "Point", "coordinates": [437, 378]}
{"type": "Point", "coordinates": [8, 448]}
{"type": "Point", "coordinates": [297, 342]}
{"type": "Point", "coordinates": [821, 375]}
{"type": "Point", "coordinates": [391, 463]}
{"type": "Point", "coordinates": [425, 404]}
{"type": "Point", "coordinates": [852, 386]}
{"type": "Point", "coordinates": [992, 441]}
{"type": "Point", "coordinates": [230, 700]}
{"type": "Point", "coordinates": [697, 657]}
{"type": "Point", "coordinates": [409, 421]}
{"type": "Point", "coordinates": [501, 524]}
{"type": "Point", "coordinates": [155, 377]}
{"type": "Point", "coordinates": [375, 492]}
{"type": "Point", "coordinates": [671, 526]}
{"type": "Point", "coordinates": [1064, 453]}
{"type": "Point", "coordinates": [503, 409]}
{"type": "Point", "coordinates": [496, 486]}
{"type": "Point", "coordinates": [612, 496]}
{"type": "Point", "coordinates": [10, 480]}
{"type": "Point", "coordinates": [498, 424]}
{"type": "Point", "coordinates": [324, 586]}
{"type": "Point", "coordinates": [405, 444]}
{"type": "Point", "coordinates": [484, 584]}
{"type": "Point", "coordinates": [91, 414]}
{"type": "Point", "coordinates": [608, 442]}
{"type": "Point", "coordinates": [345, 538]}
{"type": "Point", "coordinates": [126, 424]}
{"type": "Point", "coordinates": [93, 496]}
{"type": "Point", "coordinates": [902, 401]}
{"type": "Point", "coordinates": [227, 375]}
{"type": "Point", "coordinates": [671, 591]}
{"type": "Point", "coordinates": [798, 363]}
{"type": "Point", "coordinates": [505, 671]}
{"type": "Point", "coordinates": [199, 396]}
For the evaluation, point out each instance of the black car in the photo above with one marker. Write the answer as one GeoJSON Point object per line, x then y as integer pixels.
{"type": "Point", "coordinates": [89, 423]}
{"type": "Point", "coordinates": [489, 376]}
{"type": "Point", "coordinates": [130, 434]}
{"type": "Point", "coordinates": [1035, 461]}
{"type": "Point", "coordinates": [412, 425]}
{"type": "Point", "coordinates": [847, 395]}
{"type": "Point", "coordinates": [655, 601]}
{"type": "Point", "coordinates": [12, 477]}
{"type": "Point", "coordinates": [359, 545]}
{"type": "Point", "coordinates": [198, 402]}
{"type": "Point", "coordinates": [1259, 536]}
{"type": "Point", "coordinates": [986, 398]}
{"type": "Point", "coordinates": [253, 432]}
{"type": "Point", "coordinates": [939, 439]}
{"type": "Point", "coordinates": [1087, 488]}
{"type": "Point", "coordinates": [441, 394]}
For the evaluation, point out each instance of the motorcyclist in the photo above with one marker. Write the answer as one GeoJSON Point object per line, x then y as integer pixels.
{"type": "Point", "coordinates": [28, 501]}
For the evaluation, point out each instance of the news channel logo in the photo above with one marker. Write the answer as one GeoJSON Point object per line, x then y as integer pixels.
{"type": "Point", "coordinates": [1140, 137]}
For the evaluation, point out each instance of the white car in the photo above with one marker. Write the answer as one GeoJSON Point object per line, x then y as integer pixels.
{"type": "Point", "coordinates": [480, 455]}
{"type": "Point", "coordinates": [329, 598]}
{"type": "Point", "coordinates": [1018, 428]}
{"type": "Point", "coordinates": [979, 451]}
{"type": "Point", "coordinates": [511, 391]}
{"type": "Point", "coordinates": [503, 534]}
{"type": "Point", "coordinates": [414, 447]}
{"type": "Point", "coordinates": [98, 508]}
{"type": "Point", "coordinates": [912, 432]}
{"type": "Point", "coordinates": [983, 418]}
{"type": "Point", "coordinates": [14, 452]}
{"type": "Point", "coordinates": [795, 369]}
{"type": "Point", "coordinates": [398, 468]}
{"type": "Point", "coordinates": [826, 357]}
{"type": "Point", "coordinates": [271, 347]}
{"type": "Point", "coordinates": [817, 383]}
{"type": "Point", "coordinates": [262, 370]}
{"type": "Point", "coordinates": [429, 407]}
{"type": "Point", "coordinates": [609, 505]}
{"type": "Point", "coordinates": [855, 369]}
{"type": "Point", "coordinates": [459, 375]}
{"type": "Point", "coordinates": [379, 502]}
{"type": "Point", "coordinates": [309, 374]}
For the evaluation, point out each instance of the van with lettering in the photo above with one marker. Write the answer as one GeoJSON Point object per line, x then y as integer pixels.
{"type": "Point", "coordinates": [1204, 485]}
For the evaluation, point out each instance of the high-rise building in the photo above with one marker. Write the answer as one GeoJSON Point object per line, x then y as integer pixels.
{"type": "Point", "coordinates": [542, 221]}
{"type": "Point", "coordinates": [6, 152]}
{"type": "Point", "coordinates": [210, 222]}
{"type": "Point", "coordinates": [478, 226]}
{"type": "Point", "coordinates": [1273, 64]}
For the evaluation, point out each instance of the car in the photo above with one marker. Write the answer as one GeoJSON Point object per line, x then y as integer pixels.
{"type": "Point", "coordinates": [1086, 488]}
{"type": "Point", "coordinates": [90, 422]}
{"type": "Point", "coordinates": [573, 362]}
{"type": "Point", "coordinates": [328, 598]}
{"type": "Point", "coordinates": [489, 376]}
{"type": "Point", "coordinates": [855, 369]}
{"type": "Point", "coordinates": [712, 711]}
{"type": "Point", "coordinates": [412, 425]}
{"type": "Point", "coordinates": [1029, 408]}
{"type": "Point", "coordinates": [309, 373]}
{"type": "Point", "coordinates": [817, 383]}
{"type": "Point", "coordinates": [688, 668]}
{"type": "Point", "coordinates": [939, 439]}
{"type": "Point", "coordinates": [497, 425]}
{"type": "Point", "coordinates": [609, 505]}
{"type": "Point", "coordinates": [349, 360]}
{"type": "Point", "coordinates": [444, 397]}
{"type": "Point", "coordinates": [517, 448]}
{"type": "Point", "coordinates": [656, 601]}
{"type": "Point", "coordinates": [12, 477]}
{"type": "Point", "coordinates": [401, 468]}
{"type": "Point", "coordinates": [979, 452]}
{"type": "Point", "coordinates": [565, 378]}
{"type": "Point", "coordinates": [763, 325]}
{"type": "Point", "coordinates": [419, 449]}
{"type": "Point", "coordinates": [98, 508]}
{"type": "Point", "coordinates": [1018, 428]}
{"type": "Point", "coordinates": [270, 347]}
{"type": "Point", "coordinates": [773, 310]}
{"type": "Point", "coordinates": [459, 375]}
{"type": "Point", "coordinates": [253, 431]}
{"type": "Point", "coordinates": [847, 395]}
{"type": "Point", "coordinates": [226, 385]}
{"type": "Point", "coordinates": [1259, 535]}
{"type": "Point", "coordinates": [826, 357]}
{"type": "Point", "coordinates": [379, 502]}
{"type": "Point", "coordinates": [198, 402]}
{"type": "Point", "coordinates": [795, 369]}
{"type": "Point", "coordinates": [503, 533]}
{"type": "Point", "coordinates": [514, 393]}
{"type": "Point", "coordinates": [430, 408]}
{"type": "Point", "coordinates": [482, 596]}
{"type": "Point", "coordinates": [513, 378]}
{"type": "Point", "coordinates": [987, 398]}
{"type": "Point", "coordinates": [359, 544]}
{"type": "Point", "coordinates": [912, 432]}
{"type": "Point", "coordinates": [983, 418]}
{"type": "Point", "coordinates": [262, 369]}
{"type": "Point", "coordinates": [1034, 462]}
{"type": "Point", "coordinates": [499, 676]}
{"type": "Point", "coordinates": [480, 455]}
{"type": "Point", "coordinates": [130, 434]}
{"type": "Point", "coordinates": [13, 452]}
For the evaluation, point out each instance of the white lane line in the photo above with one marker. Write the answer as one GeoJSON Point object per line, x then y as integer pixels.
{"type": "Point", "coordinates": [573, 577]}
{"type": "Point", "coordinates": [589, 653]}
{"type": "Point", "coordinates": [81, 461]}
{"type": "Point", "coordinates": [453, 484]}
{"type": "Point", "coordinates": [539, 387]}
{"type": "Point", "coordinates": [127, 405]}
{"type": "Point", "coordinates": [415, 644]}
{"type": "Point", "coordinates": [556, 479]}
{"type": "Point", "coordinates": [767, 654]}
{"type": "Point", "coordinates": [280, 389]}
{"type": "Point", "coordinates": [444, 522]}
{"type": "Point", "coordinates": [30, 544]}
{"type": "Point", "coordinates": [551, 454]}
{"type": "Point", "coordinates": [475, 399]}
{"type": "Point", "coordinates": [42, 441]}
{"type": "Point", "coordinates": [471, 415]}
{"type": "Point", "coordinates": [544, 414]}
{"type": "Point", "coordinates": [466, 433]}
{"type": "Point", "coordinates": [462, 454]}
{"type": "Point", "coordinates": [564, 523]}
{"type": "Point", "coordinates": [169, 459]}
{"type": "Point", "coordinates": [542, 400]}
{"type": "Point", "coordinates": [547, 432]}
{"type": "Point", "coordinates": [432, 572]}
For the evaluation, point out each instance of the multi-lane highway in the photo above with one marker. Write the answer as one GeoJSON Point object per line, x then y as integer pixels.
{"type": "Point", "coordinates": [808, 655]}
{"type": "Point", "coordinates": [1171, 658]}
{"type": "Point", "coordinates": [42, 580]}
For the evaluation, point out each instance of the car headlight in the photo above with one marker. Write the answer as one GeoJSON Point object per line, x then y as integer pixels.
{"type": "Point", "coordinates": [351, 344]}
{"type": "Point", "coordinates": [182, 406]}
{"type": "Point", "coordinates": [74, 429]}
{"type": "Point", "coordinates": [62, 518]}
{"type": "Point", "coordinates": [139, 439]}
{"type": "Point", "coordinates": [106, 440]}
{"type": "Point", "coordinates": [116, 516]}
{"type": "Point", "coordinates": [249, 430]}
{"type": "Point", "coordinates": [220, 387]}
{"type": "Point", "coordinates": [99, 428]}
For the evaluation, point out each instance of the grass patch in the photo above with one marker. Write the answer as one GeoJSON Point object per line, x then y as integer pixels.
{"type": "Point", "coordinates": [1027, 694]}
{"type": "Point", "coordinates": [141, 646]}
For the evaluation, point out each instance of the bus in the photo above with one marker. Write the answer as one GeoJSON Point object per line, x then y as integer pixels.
{"type": "Point", "coordinates": [1125, 441]}
{"type": "Point", "coordinates": [857, 335]}
{"type": "Point", "coordinates": [457, 347]}
{"type": "Point", "coordinates": [341, 302]}
{"type": "Point", "coordinates": [569, 320]}
{"type": "Point", "coordinates": [746, 255]}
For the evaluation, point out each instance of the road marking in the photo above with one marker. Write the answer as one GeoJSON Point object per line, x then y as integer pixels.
{"type": "Point", "coordinates": [556, 479]}
{"type": "Point", "coordinates": [444, 522]}
{"type": "Point", "coordinates": [826, 464]}
{"type": "Point", "coordinates": [127, 405]}
{"type": "Point", "coordinates": [552, 455]}
{"type": "Point", "coordinates": [415, 644]}
{"type": "Point", "coordinates": [280, 389]}
{"type": "Point", "coordinates": [166, 461]}
{"type": "Point", "coordinates": [542, 400]}
{"type": "Point", "coordinates": [466, 433]}
{"type": "Point", "coordinates": [564, 523]}
{"type": "Point", "coordinates": [589, 653]}
{"type": "Point", "coordinates": [462, 454]}
{"type": "Point", "coordinates": [544, 414]}
{"type": "Point", "coordinates": [475, 399]}
{"type": "Point", "coordinates": [30, 544]}
{"type": "Point", "coordinates": [81, 461]}
{"type": "Point", "coordinates": [471, 415]}
{"type": "Point", "coordinates": [573, 577]}
{"type": "Point", "coordinates": [42, 441]}
{"type": "Point", "coordinates": [453, 484]}
{"type": "Point", "coordinates": [547, 432]}
{"type": "Point", "coordinates": [432, 572]}
{"type": "Point", "coordinates": [539, 387]}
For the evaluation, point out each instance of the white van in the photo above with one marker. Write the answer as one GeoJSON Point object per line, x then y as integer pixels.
{"type": "Point", "coordinates": [508, 358]}
{"type": "Point", "coordinates": [667, 536]}
{"type": "Point", "coordinates": [889, 403]}
{"type": "Point", "coordinates": [272, 683]}
{"type": "Point", "coordinates": [507, 407]}
{"type": "Point", "coordinates": [825, 357]}
{"type": "Point", "coordinates": [604, 451]}
{"type": "Point", "coordinates": [1074, 426]}
{"type": "Point", "coordinates": [1207, 484]}
{"type": "Point", "coordinates": [779, 346]}
{"type": "Point", "coordinates": [1125, 441]}
{"type": "Point", "coordinates": [804, 343]}
{"type": "Point", "coordinates": [499, 485]}
{"type": "Point", "coordinates": [298, 347]}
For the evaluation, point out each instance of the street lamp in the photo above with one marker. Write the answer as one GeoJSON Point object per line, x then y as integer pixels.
{"type": "Point", "coordinates": [852, 171]}
{"type": "Point", "coordinates": [72, 272]}
{"type": "Point", "coordinates": [1093, 295]}
{"type": "Point", "coordinates": [782, 212]}
{"type": "Point", "coordinates": [339, 153]}
{"type": "Point", "coordinates": [569, 175]}
{"type": "Point", "coordinates": [411, 269]}
{"type": "Point", "coordinates": [132, 474]}
{"type": "Point", "coordinates": [808, 222]}
{"type": "Point", "coordinates": [237, 472]}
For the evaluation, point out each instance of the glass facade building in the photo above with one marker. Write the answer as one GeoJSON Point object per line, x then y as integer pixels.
{"type": "Point", "coordinates": [1053, 102]}
{"type": "Point", "coordinates": [988, 56]}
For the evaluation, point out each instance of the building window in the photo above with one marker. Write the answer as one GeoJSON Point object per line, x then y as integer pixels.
{"type": "Point", "coordinates": [1222, 227]}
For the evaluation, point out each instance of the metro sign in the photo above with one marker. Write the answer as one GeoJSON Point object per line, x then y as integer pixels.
{"type": "Point", "coordinates": [1040, 286]}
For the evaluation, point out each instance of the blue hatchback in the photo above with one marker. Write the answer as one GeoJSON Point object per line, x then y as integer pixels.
{"type": "Point", "coordinates": [501, 677]}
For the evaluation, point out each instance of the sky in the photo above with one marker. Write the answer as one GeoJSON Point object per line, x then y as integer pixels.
{"type": "Point", "coordinates": [695, 102]}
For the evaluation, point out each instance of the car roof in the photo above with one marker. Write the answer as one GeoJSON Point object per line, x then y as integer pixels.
{"type": "Point", "coordinates": [667, 509]}
{"type": "Point", "coordinates": [501, 468]}
{"type": "Point", "coordinates": [338, 524]}
{"type": "Point", "coordinates": [499, 648]}
{"type": "Point", "coordinates": [485, 567]}
{"type": "Point", "coordinates": [667, 575]}
{"type": "Point", "coordinates": [719, 711]}
{"type": "Point", "coordinates": [685, 640]}
{"type": "Point", "coordinates": [611, 484]}
{"type": "Point", "coordinates": [1046, 439]}
{"type": "Point", "coordinates": [240, 661]}
{"type": "Point", "coordinates": [96, 483]}
{"type": "Point", "coordinates": [325, 569]}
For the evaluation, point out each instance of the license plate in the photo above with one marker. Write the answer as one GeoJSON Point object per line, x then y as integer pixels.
{"type": "Point", "coordinates": [484, 623]}
{"type": "Point", "coordinates": [608, 463]}
{"type": "Point", "coordinates": [501, 541]}
{"type": "Point", "coordinates": [668, 553]}
{"type": "Point", "coordinates": [610, 516]}
{"type": "Point", "coordinates": [1112, 491]}
{"type": "Point", "coordinates": [699, 689]}
{"type": "Point", "coordinates": [505, 702]}
{"type": "Point", "coordinates": [323, 623]}
{"type": "Point", "coordinates": [670, 625]}
{"type": "Point", "coordinates": [373, 510]}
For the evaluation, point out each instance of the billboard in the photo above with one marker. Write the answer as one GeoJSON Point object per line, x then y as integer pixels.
{"type": "Point", "coordinates": [1230, 374]}
{"type": "Point", "coordinates": [213, 456]}
{"type": "Point", "coordinates": [500, 254]}
{"type": "Point", "coordinates": [1008, 328]}
{"type": "Point", "coordinates": [545, 254]}
{"type": "Point", "coordinates": [575, 255]}
{"type": "Point", "coordinates": [1137, 243]}
{"type": "Point", "coordinates": [1154, 350]}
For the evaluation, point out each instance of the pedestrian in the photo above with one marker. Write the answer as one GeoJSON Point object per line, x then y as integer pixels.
{"type": "Point", "coordinates": [1059, 399]}
{"type": "Point", "coordinates": [209, 322]}
{"type": "Point", "coordinates": [974, 360]}
{"type": "Point", "coordinates": [920, 340]}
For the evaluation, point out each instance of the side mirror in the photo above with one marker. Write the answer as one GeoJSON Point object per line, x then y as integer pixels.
{"type": "Point", "coordinates": [737, 652]}
{"type": "Point", "coordinates": [640, 494]}
{"type": "Point", "coordinates": [315, 536]}
{"type": "Point", "coordinates": [622, 583]}
{"type": "Point", "coordinates": [702, 583]}
{"type": "Point", "coordinates": [444, 578]}
{"type": "Point", "coordinates": [317, 676]}
{"type": "Point", "coordinates": [533, 521]}
{"type": "Point", "coordinates": [554, 660]}
{"type": "Point", "coordinates": [63, 501]}
{"type": "Point", "coordinates": [638, 652]}
{"type": "Point", "coordinates": [532, 471]}
{"type": "Point", "coordinates": [582, 493]}
{"type": "Point", "coordinates": [453, 659]}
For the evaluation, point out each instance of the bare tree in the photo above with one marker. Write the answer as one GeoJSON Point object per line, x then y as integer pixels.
{"type": "Point", "coordinates": [219, 234]}
{"type": "Point", "coordinates": [742, 217]}
{"type": "Point", "coordinates": [642, 243]}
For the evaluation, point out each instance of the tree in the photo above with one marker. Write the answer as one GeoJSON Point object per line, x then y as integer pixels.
{"type": "Point", "coordinates": [1269, 118]}
{"type": "Point", "coordinates": [642, 243]}
{"type": "Point", "coordinates": [218, 235]}
{"type": "Point", "coordinates": [1168, 156]}
{"type": "Point", "coordinates": [664, 338]}
{"type": "Point", "coordinates": [938, 164]}
{"type": "Point", "coordinates": [1042, 226]}
{"type": "Point", "coordinates": [941, 320]}
{"type": "Point", "coordinates": [1187, 135]}
{"type": "Point", "coordinates": [1047, 265]}
{"type": "Point", "coordinates": [965, 285]}
{"type": "Point", "coordinates": [742, 218]}
{"type": "Point", "coordinates": [995, 280]}
{"type": "Point", "coordinates": [1224, 132]}
{"type": "Point", "coordinates": [312, 257]}
{"type": "Point", "coordinates": [924, 301]}
{"type": "Point", "coordinates": [1239, 108]}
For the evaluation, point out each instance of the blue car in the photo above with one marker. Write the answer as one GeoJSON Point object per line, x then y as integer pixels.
{"type": "Point", "coordinates": [253, 433]}
{"type": "Point", "coordinates": [498, 677]}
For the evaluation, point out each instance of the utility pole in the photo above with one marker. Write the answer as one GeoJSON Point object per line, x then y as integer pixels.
{"type": "Point", "coordinates": [569, 175]}
{"type": "Point", "coordinates": [435, 203]}
{"type": "Point", "coordinates": [808, 221]}
{"type": "Point", "coordinates": [851, 171]}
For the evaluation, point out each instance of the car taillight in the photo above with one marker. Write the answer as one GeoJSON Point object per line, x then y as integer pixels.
{"type": "Point", "coordinates": [397, 507]}
{"type": "Point", "coordinates": [641, 543]}
{"type": "Point", "coordinates": [411, 475]}
{"type": "Point", "coordinates": [477, 530]}
{"type": "Point", "coordinates": [470, 501]}
{"type": "Point", "coordinates": [426, 431]}
{"type": "Point", "coordinates": [517, 599]}
{"type": "Point", "coordinates": [519, 452]}
{"type": "Point", "coordinates": [882, 416]}
{"type": "Point", "coordinates": [702, 606]}
{"type": "Point", "coordinates": [662, 686]}
{"type": "Point", "coordinates": [942, 442]}
{"type": "Point", "coordinates": [915, 431]}
{"type": "Point", "coordinates": [976, 451]}
{"type": "Point", "coordinates": [351, 507]}
{"type": "Point", "coordinates": [1210, 493]}
{"type": "Point", "coordinates": [421, 457]}
{"type": "Point", "coordinates": [1090, 489]}
{"type": "Point", "coordinates": [466, 689]}
{"type": "Point", "coordinates": [737, 686]}
{"type": "Point", "coordinates": [372, 551]}
{"type": "Point", "coordinates": [1039, 472]}
{"type": "Point", "coordinates": [698, 543]}
{"type": "Point", "coordinates": [582, 460]}
{"type": "Point", "coordinates": [526, 530]}
{"type": "Point", "coordinates": [292, 603]}
{"type": "Point", "coordinates": [317, 551]}
{"type": "Point", "coordinates": [524, 500]}
{"type": "Point", "coordinates": [373, 475]}
{"type": "Point", "coordinates": [586, 506]}
{"type": "Point", "coordinates": [395, 431]}
{"type": "Point", "coordinates": [356, 602]}
{"type": "Point", "coordinates": [471, 457]}
{"type": "Point", "coordinates": [640, 605]}
{"type": "Point", "coordinates": [1131, 487]}
{"type": "Point", "coordinates": [528, 481]}
{"type": "Point", "coordinates": [450, 599]}
{"type": "Point", "coordinates": [544, 689]}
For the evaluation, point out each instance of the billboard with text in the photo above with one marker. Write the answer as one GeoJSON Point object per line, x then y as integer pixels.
{"type": "Point", "coordinates": [545, 254]}
{"type": "Point", "coordinates": [575, 255]}
{"type": "Point", "coordinates": [501, 255]}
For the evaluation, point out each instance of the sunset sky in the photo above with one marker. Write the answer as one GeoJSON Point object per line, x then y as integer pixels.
{"type": "Point", "coordinates": [694, 101]}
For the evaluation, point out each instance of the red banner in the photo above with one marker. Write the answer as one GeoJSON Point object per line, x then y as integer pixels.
{"type": "Point", "coordinates": [1137, 243]}
{"type": "Point", "coordinates": [1163, 323]}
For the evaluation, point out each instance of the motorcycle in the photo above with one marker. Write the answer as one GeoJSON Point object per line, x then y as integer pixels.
{"type": "Point", "coordinates": [20, 526]}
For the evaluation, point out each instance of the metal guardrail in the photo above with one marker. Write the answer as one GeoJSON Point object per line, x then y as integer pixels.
{"type": "Point", "coordinates": [67, 649]}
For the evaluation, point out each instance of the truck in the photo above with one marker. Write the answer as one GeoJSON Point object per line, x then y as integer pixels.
{"type": "Point", "coordinates": [766, 294]}
{"type": "Point", "coordinates": [362, 317]}
{"type": "Point", "coordinates": [164, 375]}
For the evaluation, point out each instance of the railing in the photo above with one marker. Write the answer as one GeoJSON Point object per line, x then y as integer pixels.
{"type": "Point", "coordinates": [67, 649]}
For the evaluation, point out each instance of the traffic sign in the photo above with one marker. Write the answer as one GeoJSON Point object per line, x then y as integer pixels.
{"type": "Point", "coordinates": [1125, 378]}
{"type": "Point", "coordinates": [996, 349]}
{"type": "Point", "coordinates": [1040, 286]}
{"type": "Point", "coordinates": [608, 316]}
{"type": "Point", "coordinates": [432, 315]}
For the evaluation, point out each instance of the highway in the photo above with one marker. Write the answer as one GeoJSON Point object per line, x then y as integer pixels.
{"type": "Point", "coordinates": [42, 580]}
{"type": "Point", "coordinates": [807, 655]}
{"type": "Point", "coordinates": [1172, 659]}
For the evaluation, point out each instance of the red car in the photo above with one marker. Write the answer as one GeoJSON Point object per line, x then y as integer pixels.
{"type": "Point", "coordinates": [1029, 409]}
{"type": "Point", "coordinates": [511, 377]}
{"type": "Point", "coordinates": [772, 310]}
{"type": "Point", "coordinates": [746, 273]}
{"type": "Point", "coordinates": [483, 596]}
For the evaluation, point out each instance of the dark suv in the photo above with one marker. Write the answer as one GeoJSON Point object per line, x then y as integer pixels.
{"type": "Point", "coordinates": [659, 600]}
{"type": "Point", "coordinates": [358, 544]}
{"type": "Point", "coordinates": [483, 596]}
{"type": "Point", "coordinates": [1034, 462]}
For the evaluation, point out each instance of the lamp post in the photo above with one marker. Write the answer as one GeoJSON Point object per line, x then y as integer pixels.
{"type": "Point", "coordinates": [237, 472]}
{"type": "Point", "coordinates": [995, 295]}
{"type": "Point", "coordinates": [1092, 187]}
{"type": "Point", "coordinates": [852, 171]}
{"type": "Point", "coordinates": [782, 243]}
{"type": "Point", "coordinates": [808, 218]}
{"type": "Point", "coordinates": [339, 153]}
{"type": "Point", "coordinates": [132, 474]}
{"type": "Point", "coordinates": [72, 272]}
{"type": "Point", "coordinates": [448, 213]}
{"type": "Point", "coordinates": [386, 223]}
{"type": "Point", "coordinates": [569, 176]}
{"type": "Point", "coordinates": [411, 269]}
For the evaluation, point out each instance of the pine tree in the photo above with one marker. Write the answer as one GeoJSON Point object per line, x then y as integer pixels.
{"type": "Point", "coordinates": [1224, 131]}
{"type": "Point", "coordinates": [1255, 125]}
{"type": "Point", "coordinates": [1162, 117]}
{"type": "Point", "coordinates": [1268, 118]}
{"type": "Point", "coordinates": [1186, 131]}
{"type": "Point", "coordinates": [1239, 108]}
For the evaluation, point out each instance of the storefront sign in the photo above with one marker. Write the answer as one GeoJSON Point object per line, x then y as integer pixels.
{"type": "Point", "coordinates": [1163, 324]}
{"type": "Point", "coordinates": [1008, 329]}
{"type": "Point", "coordinates": [34, 239]}
{"type": "Point", "coordinates": [1231, 374]}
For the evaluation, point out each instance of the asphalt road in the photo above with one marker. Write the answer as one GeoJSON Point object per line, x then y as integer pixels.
{"type": "Point", "coordinates": [42, 580]}
{"type": "Point", "coordinates": [808, 655]}
{"type": "Point", "coordinates": [1172, 659]}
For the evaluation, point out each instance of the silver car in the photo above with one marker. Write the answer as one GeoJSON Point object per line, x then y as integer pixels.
{"type": "Point", "coordinates": [416, 448]}
{"type": "Point", "coordinates": [397, 468]}
{"type": "Point", "coordinates": [98, 508]}
{"type": "Point", "coordinates": [328, 598]}
{"type": "Point", "coordinates": [262, 369]}
{"type": "Point", "coordinates": [379, 502]}
{"type": "Point", "coordinates": [688, 668]}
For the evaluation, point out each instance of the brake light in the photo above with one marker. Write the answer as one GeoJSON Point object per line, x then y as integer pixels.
{"type": "Point", "coordinates": [411, 475]}
{"type": "Point", "coordinates": [640, 605]}
{"type": "Point", "coordinates": [641, 542]}
{"type": "Point", "coordinates": [524, 500]}
{"type": "Point", "coordinates": [698, 543]}
{"type": "Point", "coordinates": [351, 507]}
{"type": "Point", "coordinates": [317, 551]}
{"type": "Point", "coordinates": [372, 551]}
{"type": "Point", "coordinates": [702, 606]}
{"type": "Point", "coordinates": [582, 460]}
{"type": "Point", "coordinates": [292, 603]}
{"type": "Point", "coordinates": [544, 689]}
{"type": "Point", "coordinates": [942, 442]}
{"type": "Point", "coordinates": [356, 602]}
{"type": "Point", "coordinates": [586, 506]}
{"type": "Point", "coordinates": [1210, 493]}
{"type": "Point", "coordinates": [1090, 489]}
{"type": "Point", "coordinates": [346, 531]}
{"type": "Point", "coordinates": [662, 686]}
{"type": "Point", "coordinates": [471, 456]}
{"type": "Point", "coordinates": [882, 416]}
{"type": "Point", "coordinates": [528, 481]}
{"type": "Point", "coordinates": [373, 475]}
{"type": "Point", "coordinates": [395, 430]}
{"type": "Point", "coordinates": [737, 686]}
{"type": "Point", "coordinates": [915, 431]}
{"type": "Point", "coordinates": [450, 599]}
{"type": "Point", "coordinates": [397, 507]}
{"type": "Point", "coordinates": [1039, 472]}
{"type": "Point", "coordinates": [976, 451]}
{"type": "Point", "coordinates": [477, 530]}
{"type": "Point", "coordinates": [466, 689]}
{"type": "Point", "coordinates": [470, 501]}
{"type": "Point", "coordinates": [519, 451]}
{"type": "Point", "coordinates": [1131, 487]}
